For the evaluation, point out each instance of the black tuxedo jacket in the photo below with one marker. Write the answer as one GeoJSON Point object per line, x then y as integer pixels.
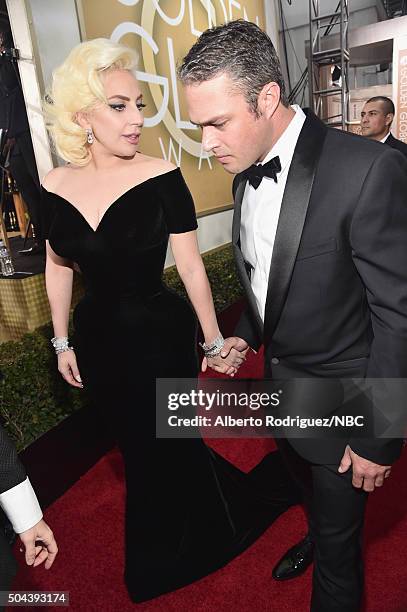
{"type": "Point", "coordinates": [12, 471]}
{"type": "Point", "coordinates": [337, 294]}
{"type": "Point", "coordinates": [396, 144]}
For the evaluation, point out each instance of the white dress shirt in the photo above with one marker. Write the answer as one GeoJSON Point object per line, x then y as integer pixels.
{"type": "Point", "coordinates": [385, 138]}
{"type": "Point", "coordinates": [21, 506]}
{"type": "Point", "coordinates": [261, 210]}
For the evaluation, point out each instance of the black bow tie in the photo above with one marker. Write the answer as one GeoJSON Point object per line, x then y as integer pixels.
{"type": "Point", "coordinates": [255, 174]}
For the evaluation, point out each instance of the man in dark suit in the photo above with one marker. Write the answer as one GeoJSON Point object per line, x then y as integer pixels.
{"type": "Point", "coordinates": [376, 120]}
{"type": "Point", "coordinates": [319, 239]}
{"type": "Point", "coordinates": [20, 504]}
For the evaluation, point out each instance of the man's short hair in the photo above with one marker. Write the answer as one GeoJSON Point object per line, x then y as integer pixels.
{"type": "Point", "coordinates": [239, 49]}
{"type": "Point", "coordinates": [388, 106]}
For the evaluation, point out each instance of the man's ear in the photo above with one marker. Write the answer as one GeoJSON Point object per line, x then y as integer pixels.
{"type": "Point", "coordinates": [269, 99]}
{"type": "Point", "coordinates": [389, 118]}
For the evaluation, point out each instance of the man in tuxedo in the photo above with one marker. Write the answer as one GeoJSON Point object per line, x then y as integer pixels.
{"type": "Point", "coordinates": [319, 240]}
{"type": "Point", "coordinates": [376, 119]}
{"type": "Point", "coordinates": [20, 504]}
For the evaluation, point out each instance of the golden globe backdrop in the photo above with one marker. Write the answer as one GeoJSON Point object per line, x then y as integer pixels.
{"type": "Point", "coordinates": [401, 92]}
{"type": "Point", "coordinates": [162, 32]}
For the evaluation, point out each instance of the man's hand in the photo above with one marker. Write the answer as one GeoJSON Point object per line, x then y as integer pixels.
{"type": "Point", "coordinates": [366, 474]}
{"type": "Point", "coordinates": [234, 343]}
{"type": "Point", "coordinates": [46, 551]}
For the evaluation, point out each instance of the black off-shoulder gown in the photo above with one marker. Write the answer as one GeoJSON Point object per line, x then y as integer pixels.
{"type": "Point", "coordinates": [188, 510]}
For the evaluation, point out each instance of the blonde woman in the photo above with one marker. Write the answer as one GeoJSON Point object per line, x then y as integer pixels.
{"type": "Point", "coordinates": [111, 211]}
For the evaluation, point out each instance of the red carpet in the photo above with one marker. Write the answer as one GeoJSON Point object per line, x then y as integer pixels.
{"type": "Point", "coordinates": [88, 523]}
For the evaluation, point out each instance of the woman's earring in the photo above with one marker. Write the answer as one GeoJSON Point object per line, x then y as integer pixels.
{"type": "Point", "coordinates": [90, 138]}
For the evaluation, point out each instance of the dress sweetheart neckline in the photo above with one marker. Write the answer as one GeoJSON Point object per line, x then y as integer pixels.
{"type": "Point", "coordinates": [112, 204]}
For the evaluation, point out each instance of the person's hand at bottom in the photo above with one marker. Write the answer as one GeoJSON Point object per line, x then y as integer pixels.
{"type": "Point", "coordinates": [39, 544]}
{"type": "Point", "coordinates": [367, 475]}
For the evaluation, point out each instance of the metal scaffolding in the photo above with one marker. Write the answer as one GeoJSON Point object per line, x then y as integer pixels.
{"type": "Point", "coordinates": [320, 83]}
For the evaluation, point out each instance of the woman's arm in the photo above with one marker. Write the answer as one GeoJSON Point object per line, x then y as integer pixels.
{"type": "Point", "coordinates": [58, 281]}
{"type": "Point", "coordinates": [193, 274]}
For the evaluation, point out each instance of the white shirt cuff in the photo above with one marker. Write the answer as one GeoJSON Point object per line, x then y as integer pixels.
{"type": "Point", "coordinates": [21, 505]}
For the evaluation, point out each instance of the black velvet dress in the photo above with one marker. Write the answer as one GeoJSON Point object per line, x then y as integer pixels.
{"type": "Point", "coordinates": [188, 510]}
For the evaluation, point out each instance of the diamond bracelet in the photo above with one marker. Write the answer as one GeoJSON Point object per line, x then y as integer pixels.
{"type": "Point", "coordinates": [61, 344]}
{"type": "Point", "coordinates": [213, 349]}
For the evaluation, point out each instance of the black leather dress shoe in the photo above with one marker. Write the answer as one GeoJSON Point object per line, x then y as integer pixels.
{"type": "Point", "coordinates": [295, 561]}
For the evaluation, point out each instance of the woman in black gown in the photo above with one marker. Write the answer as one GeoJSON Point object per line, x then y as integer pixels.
{"type": "Point", "coordinates": [111, 211]}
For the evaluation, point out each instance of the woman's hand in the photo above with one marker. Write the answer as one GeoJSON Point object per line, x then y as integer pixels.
{"type": "Point", "coordinates": [68, 367]}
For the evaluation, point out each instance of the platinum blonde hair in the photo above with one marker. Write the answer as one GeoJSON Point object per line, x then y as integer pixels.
{"type": "Point", "coordinates": [77, 86]}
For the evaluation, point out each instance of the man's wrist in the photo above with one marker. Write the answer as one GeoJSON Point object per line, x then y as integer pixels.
{"type": "Point", "coordinates": [21, 506]}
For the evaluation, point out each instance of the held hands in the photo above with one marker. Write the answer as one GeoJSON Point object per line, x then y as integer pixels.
{"type": "Point", "coordinates": [366, 474]}
{"type": "Point", "coordinates": [232, 356]}
{"type": "Point", "coordinates": [45, 550]}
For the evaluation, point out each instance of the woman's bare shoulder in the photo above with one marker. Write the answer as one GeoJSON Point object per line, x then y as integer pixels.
{"type": "Point", "coordinates": [154, 166]}
{"type": "Point", "coordinates": [58, 176]}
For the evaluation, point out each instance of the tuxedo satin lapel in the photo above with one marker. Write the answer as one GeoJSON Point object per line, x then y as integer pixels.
{"type": "Point", "coordinates": [237, 212]}
{"type": "Point", "coordinates": [292, 218]}
{"type": "Point", "coordinates": [240, 263]}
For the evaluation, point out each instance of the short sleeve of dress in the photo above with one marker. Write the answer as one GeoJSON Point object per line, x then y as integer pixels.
{"type": "Point", "coordinates": [178, 205]}
{"type": "Point", "coordinates": [47, 211]}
